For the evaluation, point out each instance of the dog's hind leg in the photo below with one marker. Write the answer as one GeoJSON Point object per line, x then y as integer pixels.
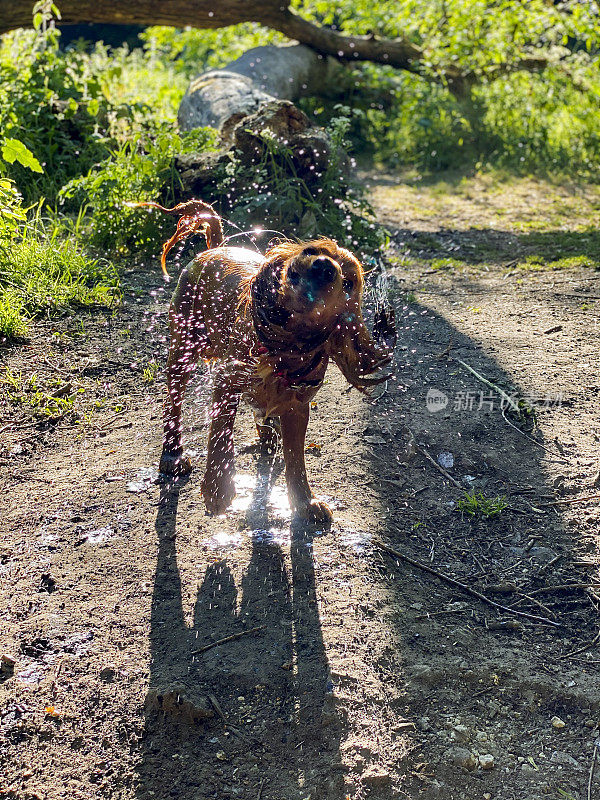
{"type": "Point", "coordinates": [184, 351]}
{"type": "Point", "coordinates": [218, 487]}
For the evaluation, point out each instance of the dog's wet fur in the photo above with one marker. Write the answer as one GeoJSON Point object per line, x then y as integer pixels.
{"type": "Point", "coordinates": [269, 325]}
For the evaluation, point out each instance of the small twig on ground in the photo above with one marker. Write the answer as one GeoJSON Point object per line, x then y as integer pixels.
{"type": "Point", "coordinates": [493, 386]}
{"type": "Point", "coordinates": [439, 468]}
{"type": "Point", "coordinates": [462, 586]}
{"type": "Point", "coordinates": [20, 426]}
{"type": "Point", "coordinates": [569, 500]}
{"type": "Point", "coordinates": [592, 768]}
{"type": "Point", "coordinates": [445, 351]}
{"type": "Point", "coordinates": [217, 707]}
{"type": "Point", "coordinates": [63, 390]}
{"type": "Point", "coordinates": [260, 788]}
{"type": "Point", "coordinates": [578, 294]}
{"type": "Point", "coordinates": [431, 614]}
{"type": "Point", "coordinates": [52, 366]}
{"type": "Point", "coordinates": [512, 404]}
{"type": "Point", "coordinates": [112, 419]}
{"type": "Point", "coordinates": [533, 441]}
{"type": "Point", "coordinates": [381, 394]}
{"type": "Point", "coordinates": [562, 586]}
{"type": "Point", "coordinates": [227, 639]}
{"type": "Point", "coordinates": [539, 604]}
{"type": "Point", "coordinates": [583, 648]}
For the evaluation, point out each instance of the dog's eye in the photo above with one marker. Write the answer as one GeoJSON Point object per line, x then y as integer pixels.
{"type": "Point", "coordinates": [293, 277]}
{"type": "Point", "coordinates": [348, 286]}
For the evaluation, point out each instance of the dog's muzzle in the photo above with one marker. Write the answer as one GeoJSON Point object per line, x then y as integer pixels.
{"type": "Point", "coordinates": [322, 272]}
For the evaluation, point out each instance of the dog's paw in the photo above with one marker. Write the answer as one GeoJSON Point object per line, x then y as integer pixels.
{"type": "Point", "coordinates": [218, 496]}
{"type": "Point", "coordinates": [315, 512]}
{"type": "Point", "coordinates": [174, 464]}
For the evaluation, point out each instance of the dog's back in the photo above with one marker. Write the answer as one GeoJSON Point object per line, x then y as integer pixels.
{"type": "Point", "coordinates": [216, 280]}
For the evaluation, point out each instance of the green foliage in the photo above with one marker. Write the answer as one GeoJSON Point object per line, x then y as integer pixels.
{"type": "Point", "coordinates": [140, 169]}
{"type": "Point", "coordinates": [477, 504]}
{"type": "Point", "coordinates": [42, 269]}
{"type": "Point", "coordinates": [190, 52]}
{"type": "Point", "coordinates": [472, 35]}
{"type": "Point", "coordinates": [50, 104]}
{"type": "Point", "coordinates": [51, 402]}
{"type": "Point", "coordinates": [541, 122]}
{"type": "Point", "coordinates": [328, 205]}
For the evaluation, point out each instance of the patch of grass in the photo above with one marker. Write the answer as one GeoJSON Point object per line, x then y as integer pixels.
{"type": "Point", "coordinates": [13, 314]}
{"type": "Point", "coordinates": [477, 504]}
{"type": "Point", "coordinates": [446, 264]}
{"type": "Point", "coordinates": [51, 402]}
{"type": "Point", "coordinates": [534, 262]}
{"type": "Point", "coordinates": [150, 372]}
{"type": "Point", "coordinates": [43, 269]}
{"type": "Point", "coordinates": [574, 262]}
{"type": "Point", "coordinates": [556, 245]}
{"type": "Point", "coordinates": [425, 241]}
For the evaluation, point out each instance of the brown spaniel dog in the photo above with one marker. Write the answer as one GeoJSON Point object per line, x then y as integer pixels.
{"type": "Point", "coordinates": [270, 325]}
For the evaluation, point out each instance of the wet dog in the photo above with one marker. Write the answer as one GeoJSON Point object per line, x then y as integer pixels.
{"type": "Point", "coordinates": [270, 325]}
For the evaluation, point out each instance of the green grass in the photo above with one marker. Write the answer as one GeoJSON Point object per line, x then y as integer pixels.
{"type": "Point", "coordinates": [476, 504]}
{"type": "Point", "coordinates": [150, 372]}
{"type": "Point", "coordinates": [43, 270]}
{"type": "Point", "coordinates": [51, 402]}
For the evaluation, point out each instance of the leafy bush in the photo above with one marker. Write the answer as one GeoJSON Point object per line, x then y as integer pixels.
{"type": "Point", "coordinates": [189, 52]}
{"type": "Point", "coordinates": [271, 192]}
{"type": "Point", "coordinates": [141, 169]}
{"type": "Point", "coordinates": [51, 103]}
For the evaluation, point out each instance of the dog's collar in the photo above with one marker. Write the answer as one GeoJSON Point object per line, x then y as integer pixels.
{"type": "Point", "coordinates": [293, 378]}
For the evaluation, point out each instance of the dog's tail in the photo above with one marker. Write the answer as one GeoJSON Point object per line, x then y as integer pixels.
{"type": "Point", "coordinates": [194, 216]}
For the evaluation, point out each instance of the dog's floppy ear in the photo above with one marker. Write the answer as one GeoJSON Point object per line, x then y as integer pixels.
{"type": "Point", "coordinates": [354, 351]}
{"type": "Point", "coordinates": [351, 345]}
{"type": "Point", "coordinates": [265, 293]}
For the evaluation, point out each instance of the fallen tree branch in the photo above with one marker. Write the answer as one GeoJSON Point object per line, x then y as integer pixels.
{"type": "Point", "coordinates": [569, 500]}
{"type": "Point", "coordinates": [463, 587]}
{"type": "Point", "coordinates": [276, 14]}
{"type": "Point", "coordinates": [227, 639]}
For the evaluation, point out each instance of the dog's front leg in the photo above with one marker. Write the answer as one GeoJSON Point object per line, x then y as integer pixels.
{"type": "Point", "coordinates": [218, 487]}
{"type": "Point", "coordinates": [302, 500]}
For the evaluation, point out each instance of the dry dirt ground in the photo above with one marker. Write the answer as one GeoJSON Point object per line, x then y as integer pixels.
{"type": "Point", "coordinates": [356, 673]}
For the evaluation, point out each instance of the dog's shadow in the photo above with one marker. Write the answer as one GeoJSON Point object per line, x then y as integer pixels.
{"type": "Point", "coordinates": [217, 715]}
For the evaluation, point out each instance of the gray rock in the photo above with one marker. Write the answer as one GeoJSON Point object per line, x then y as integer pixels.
{"type": "Point", "coordinates": [461, 757]}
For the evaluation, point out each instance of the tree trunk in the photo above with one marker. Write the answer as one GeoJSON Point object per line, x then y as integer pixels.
{"type": "Point", "coordinates": [257, 77]}
{"type": "Point", "coordinates": [276, 14]}
{"type": "Point", "coordinates": [210, 14]}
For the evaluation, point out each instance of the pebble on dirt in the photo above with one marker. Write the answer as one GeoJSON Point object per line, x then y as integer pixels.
{"type": "Point", "coordinates": [376, 776]}
{"type": "Point", "coordinates": [7, 665]}
{"type": "Point", "coordinates": [461, 757]}
{"type": "Point", "coordinates": [486, 761]}
{"type": "Point", "coordinates": [557, 723]}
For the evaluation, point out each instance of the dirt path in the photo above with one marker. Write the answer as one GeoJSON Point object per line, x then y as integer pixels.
{"type": "Point", "coordinates": [365, 676]}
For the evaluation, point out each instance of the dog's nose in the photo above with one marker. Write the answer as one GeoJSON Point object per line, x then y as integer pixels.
{"type": "Point", "coordinates": [322, 271]}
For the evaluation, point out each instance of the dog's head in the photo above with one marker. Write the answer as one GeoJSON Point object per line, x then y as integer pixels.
{"type": "Point", "coordinates": [308, 296]}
